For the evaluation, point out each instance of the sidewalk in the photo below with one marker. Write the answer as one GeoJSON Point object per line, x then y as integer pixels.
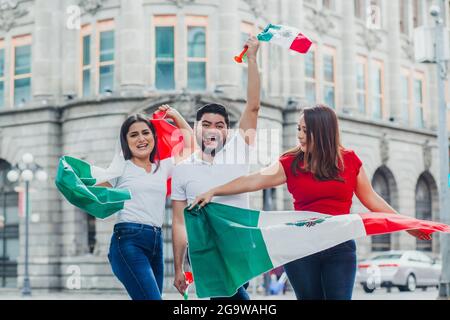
{"type": "Point", "coordinates": [12, 294]}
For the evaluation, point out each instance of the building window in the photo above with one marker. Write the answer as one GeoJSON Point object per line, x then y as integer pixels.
{"type": "Point", "coordinates": [246, 32]}
{"type": "Point", "coordinates": [381, 186]}
{"type": "Point", "coordinates": [377, 90]}
{"type": "Point", "coordinates": [403, 19]}
{"type": "Point", "coordinates": [2, 74]}
{"type": "Point", "coordinates": [86, 83]}
{"type": "Point", "coordinates": [329, 4]}
{"type": "Point", "coordinates": [373, 14]}
{"type": "Point", "coordinates": [417, 13]}
{"type": "Point", "coordinates": [106, 56]}
{"type": "Point", "coordinates": [9, 229]}
{"type": "Point", "coordinates": [165, 52]}
{"type": "Point", "coordinates": [419, 100]}
{"type": "Point", "coordinates": [22, 70]}
{"type": "Point", "coordinates": [329, 77]}
{"type": "Point", "coordinates": [361, 84]}
{"type": "Point", "coordinates": [311, 77]}
{"type": "Point", "coordinates": [360, 9]}
{"type": "Point", "coordinates": [197, 57]}
{"type": "Point", "coordinates": [406, 95]}
{"type": "Point", "coordinates": [423, 210]}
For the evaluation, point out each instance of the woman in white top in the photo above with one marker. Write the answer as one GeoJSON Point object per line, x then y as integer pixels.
{"type": "Point", "coordinates": [135, 253]}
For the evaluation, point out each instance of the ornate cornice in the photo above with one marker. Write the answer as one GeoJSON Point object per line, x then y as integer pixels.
{"type": "Point", "coordinates": [321, 22]}
{"type": "Point", "coordinates": [181, 3]}
{"type": "Point", "coordinates": [91, 6]}
{"type": "Point", "coordinates": [9, 13]}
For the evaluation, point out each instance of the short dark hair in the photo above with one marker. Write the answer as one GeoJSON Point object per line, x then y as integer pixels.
{"type": "Point", "coordinates": [123, 137]}
{"type": "Point", "coordinates": [213, 108]}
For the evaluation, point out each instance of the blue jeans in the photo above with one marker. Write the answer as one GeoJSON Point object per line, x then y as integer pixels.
{"type": "Point", "coordinates": [136, 257]}
{"type": "Point", "coordinates": [326, 275]}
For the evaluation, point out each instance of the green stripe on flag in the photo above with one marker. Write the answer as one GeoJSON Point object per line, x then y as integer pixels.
{"type": "Point", "coordinates": [75, 182]}
{"type": "Point", "coordinates": [225, 248]}
{"type": "Point", "coordinates": [268, 32]}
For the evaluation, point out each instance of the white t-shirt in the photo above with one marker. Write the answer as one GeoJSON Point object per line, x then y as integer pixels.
{"type": "Point", "coordinates": [148, 192]}
{"type": "Point", "coordinates": [194, 176]}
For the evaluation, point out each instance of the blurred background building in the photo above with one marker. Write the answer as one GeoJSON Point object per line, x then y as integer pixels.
{"type": "Point", "coordinates": [72, 70]}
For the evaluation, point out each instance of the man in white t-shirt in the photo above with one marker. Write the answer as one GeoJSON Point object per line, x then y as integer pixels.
{"type": "Point", "coordinates": [223, 157]}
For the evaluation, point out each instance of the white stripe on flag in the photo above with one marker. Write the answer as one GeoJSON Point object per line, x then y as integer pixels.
{"type": "Point", "coordinates": [286, 243]}
{"type": "Point", "coordinates": [285, 36]}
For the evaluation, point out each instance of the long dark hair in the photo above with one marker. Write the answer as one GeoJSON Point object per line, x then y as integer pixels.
{"type": "Point", "coordinates": [123, 137]}
{"type": "Point", "coordinates": [323, 157]}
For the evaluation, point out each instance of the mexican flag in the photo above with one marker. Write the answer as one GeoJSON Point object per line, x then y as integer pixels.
{"type": "Point", "coordinates": [76, 179]}
{"type": "Point", "coordinates": [287, 37]}
{"type": "Point", "coordinates": [228, 246]}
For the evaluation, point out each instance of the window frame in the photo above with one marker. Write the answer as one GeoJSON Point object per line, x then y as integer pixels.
{"type": "Point", "coordinates": [359, 9]}
{"type": "Point", "coordinates": [103, 26]}
{"type": "Point", "coordinates": [419, 75]}
{"type": "Point", "coordinates": [330, 51]}
{"type": "Point", "coordinates": [378, 65]}
{"type": "Point", "coordinates": [248, 29]}
{"type": "Point", "coordinates": [363, 60]}
{"type": "Point", "coordinates": [165, 20]}
{"type": "Point", "coordinates": [20, 41]}
{"type": "Point", "coordinates": [197, 21]}
{"type": "Point", "coordinates": [407, 74]}
{"type": "Point", "coordinates": [315, 80]}
{"type": "Point", "coordinates": [86, 30]}
{"type": "Point", "coordinates": [3, 73]}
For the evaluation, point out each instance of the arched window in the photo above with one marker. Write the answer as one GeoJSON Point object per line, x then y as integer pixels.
{"type": "Point", "coordinates": [9, 229]}
{"type": "Point", "coordinates": [381, 186]}
{"type": "Point", "coordinates": [423, 210]}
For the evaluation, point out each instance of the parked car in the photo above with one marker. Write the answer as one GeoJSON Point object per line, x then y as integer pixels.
{"type": "Point", "coordinates": [406, 270]}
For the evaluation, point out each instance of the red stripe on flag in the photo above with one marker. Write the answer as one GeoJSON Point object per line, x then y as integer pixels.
{"type": "Point", "coordinates": [380, 223]}
{"type": "Point", "coordinates": [301, 44]}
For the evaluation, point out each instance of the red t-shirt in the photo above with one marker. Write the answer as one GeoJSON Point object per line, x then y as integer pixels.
{"type": "Point", "coordinates": [328, 197]}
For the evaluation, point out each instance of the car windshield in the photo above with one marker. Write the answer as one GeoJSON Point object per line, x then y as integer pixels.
{"type": "Point", "coordinates": [387, 257]}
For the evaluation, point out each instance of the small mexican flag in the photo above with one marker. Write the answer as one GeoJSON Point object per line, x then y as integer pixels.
{"type": "Point", "coordinates": [229, 246]}
{"type": "Point", "coordinates": [287, 37]}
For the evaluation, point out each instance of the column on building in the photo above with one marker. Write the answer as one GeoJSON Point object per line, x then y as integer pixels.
{"type": "Point", "coordinates": [349, 103]}
{"type": "Point", "coordinates": [44, 235]}
{"type": "Point", "coordinates": [275, 54]}
{"type": "Point", "coordinates": [394, 63]}
{"type": "Point", "coordinates": [45, 51]}
{"type": "Point", "coordinates": [131, 47]}
{"type": "Point", "coordinates": [228, 32]}
{"type": "Point", "coordinates": [296, 61]}
{"type": "Point", "coordinates": [70, 49]}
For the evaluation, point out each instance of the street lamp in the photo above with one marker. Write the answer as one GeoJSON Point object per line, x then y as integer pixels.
{"type": "Point", "coordinates": [26, 171]}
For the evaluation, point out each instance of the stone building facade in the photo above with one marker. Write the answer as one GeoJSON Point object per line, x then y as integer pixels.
{"type": "Point", "coordinates": [71, 71]}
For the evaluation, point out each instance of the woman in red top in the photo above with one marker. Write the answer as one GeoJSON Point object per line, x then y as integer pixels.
{"type": "Point", "coordinates": [322, 176]}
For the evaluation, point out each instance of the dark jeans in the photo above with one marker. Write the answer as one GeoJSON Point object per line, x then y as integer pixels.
{"type": "Point", "coordinates": [136, 257]}
{"type": "Point", "coordinates": [241, 294]}
{"type": "Point", "coordinates": [326, 275]}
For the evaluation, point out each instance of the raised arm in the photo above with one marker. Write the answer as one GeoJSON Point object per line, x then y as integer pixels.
{"type": "Point", "coordinates": [179, 244]}
{"type": "Point", "coordinates": [248, 121]}
{"type": "Point", "coordinates": [269, 177]}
